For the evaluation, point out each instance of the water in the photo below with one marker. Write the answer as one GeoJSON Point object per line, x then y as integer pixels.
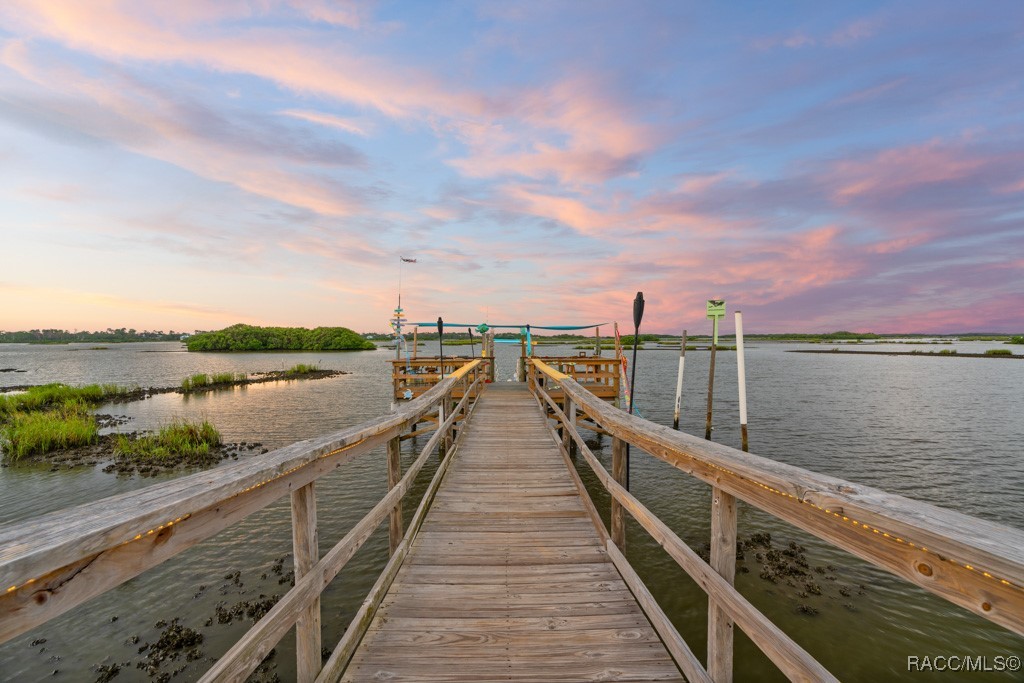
{"type": "Point", "coordinates": [936, 429]}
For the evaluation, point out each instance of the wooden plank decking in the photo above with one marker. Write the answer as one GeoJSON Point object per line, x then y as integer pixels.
{"type": "Point", "coordinates": [507, 580]}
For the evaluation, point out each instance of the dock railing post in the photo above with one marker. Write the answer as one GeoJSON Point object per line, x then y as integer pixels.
{"type": "Point", "coordinates": [723, 561]}
{"type": "Point", "coordinates": [493, 357]}
{"type": "Point", "coordinates": [522, 360]}
{"type": "Point", "coordinates": [305, 548]}
{"type": "Point", "coordinates": [395, 476]}
{"type": "Point", "coordinates": [618, 516]}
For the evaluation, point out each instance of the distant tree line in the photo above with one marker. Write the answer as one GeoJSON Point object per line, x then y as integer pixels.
{"type": "Point", "coordinates": [110, 335]}
{"type": "Point", "coordinates": [252, 338]}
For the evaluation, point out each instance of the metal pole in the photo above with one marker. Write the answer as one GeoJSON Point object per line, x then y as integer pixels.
{"type": "Point", "coordinates": [472, 351]}
{"type": "Point", "coordinates": [679, 382]}
{"type": "Point", "coordinates": [415, 341]}
{"type": "Point", "coordinates": [440, 346]}
{"type": "Point", "coordinates": [741, 373]}
{"type": "Point", "coordinates": [711, 380]}
{"type": "Point", "coordinates": [638, 315]}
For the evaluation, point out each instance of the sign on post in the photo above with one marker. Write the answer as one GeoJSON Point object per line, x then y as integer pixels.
{"type": "Point", "coordinates": [716, 311]}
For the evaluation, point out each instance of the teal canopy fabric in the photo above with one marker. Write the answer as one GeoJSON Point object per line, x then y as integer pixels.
{"type": "Point", "coordinates": [511, 327]}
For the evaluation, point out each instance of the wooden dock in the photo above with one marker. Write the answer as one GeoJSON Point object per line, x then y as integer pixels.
{"type": "Point", "coordinates": [508, 579]}
{"type": "Point", "coordinates": [505, 572]}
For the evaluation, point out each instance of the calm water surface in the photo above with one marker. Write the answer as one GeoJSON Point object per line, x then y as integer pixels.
{"type": "Point", "coordinates": [948, 431]}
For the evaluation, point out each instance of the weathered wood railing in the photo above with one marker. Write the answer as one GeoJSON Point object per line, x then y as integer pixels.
{"type": "Point", "coordinates": [971, 562]}
{"type": "Point", "coordinates": [53, 563]}
{"type": "Point", "coordinates": [415, 376]}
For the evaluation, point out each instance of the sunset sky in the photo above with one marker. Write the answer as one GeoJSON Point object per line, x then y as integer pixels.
{"type": "Point", "coordinates": [821, 166]}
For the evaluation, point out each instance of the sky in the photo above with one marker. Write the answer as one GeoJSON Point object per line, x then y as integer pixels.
{"type": "Point", "coordinates": [821, 166]}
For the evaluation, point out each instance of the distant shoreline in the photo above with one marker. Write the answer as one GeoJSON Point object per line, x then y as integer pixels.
{"type": "Point", "coordinates": [917, 354]}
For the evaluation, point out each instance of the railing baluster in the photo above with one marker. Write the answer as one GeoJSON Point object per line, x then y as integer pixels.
{"type": "Point", "coordinates": [619, 475]}
{"type": "Point", "coordinates": [450, 432]}
{"type": "Point", "coordinates": [395, 476]}
{"type": "Point", "coordinates": [441, 417]}
{"type": "Point", "coordinates": [570, 417]}
{"type": "Point", "coordinates": [305, 545]}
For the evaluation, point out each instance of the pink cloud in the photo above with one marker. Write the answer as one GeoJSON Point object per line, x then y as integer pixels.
{"type": "Point", "coordinates": [868, 94]}
{"type": "Point", "coordinates": [146, 121]}
{"type": "Point", "coordinates": [324, 119]}
{"type": "Point", "coordinates": [599, 137]}
{"type": "Point", "coordinates": [348, 13]}
{"type": "Point", "coordinates": [125, 31]}
{"type": "Point", "coordinates": [1017, 186]}
{"type": "Point", "coordinates": [699, 184]}
{"type": "Point", "coordinates": [896, 170]}
{"type": "Point", "coordinates": [578, 131]}
{"type": "Point", "coordinates": [852, 33]}
{"type": "Point", "coordinates": [572, 212]}
{"type": "Point", "coordinates": [845, 36]}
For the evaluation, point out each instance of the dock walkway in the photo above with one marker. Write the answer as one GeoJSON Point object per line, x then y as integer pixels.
{"type": "Point", "coordinates": [508, 579]}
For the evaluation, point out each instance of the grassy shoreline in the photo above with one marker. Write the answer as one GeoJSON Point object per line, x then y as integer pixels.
{"type": "Point", "coordinates": [53, 418]}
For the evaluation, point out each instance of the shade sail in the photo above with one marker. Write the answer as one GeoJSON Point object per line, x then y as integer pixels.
{"type": "Point", "coordinates": [512, 327]}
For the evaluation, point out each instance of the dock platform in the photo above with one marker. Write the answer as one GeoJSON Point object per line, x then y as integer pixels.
{"type": "Point", "coordinates": [508, 579]}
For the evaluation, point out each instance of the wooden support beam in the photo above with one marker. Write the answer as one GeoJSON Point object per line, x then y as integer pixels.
{"type": "Point", "coordinates": [395, 476]}
{"type": "Point", "coordinates": [723, 561]}
{"type": "Point", "coordinates": [306, 549]}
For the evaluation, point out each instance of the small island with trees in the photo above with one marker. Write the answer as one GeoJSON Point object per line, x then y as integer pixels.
{"type": "Point", "coordinates": [251, 338]}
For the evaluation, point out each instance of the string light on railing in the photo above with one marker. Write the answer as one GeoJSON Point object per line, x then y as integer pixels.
{"type": "Point", "coordinates": [860, 525]}
{"type": "Point", "coordinates": [464, 370]}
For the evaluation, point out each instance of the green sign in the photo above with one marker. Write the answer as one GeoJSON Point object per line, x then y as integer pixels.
{"type": "Point", "coordinates": [716, 308]}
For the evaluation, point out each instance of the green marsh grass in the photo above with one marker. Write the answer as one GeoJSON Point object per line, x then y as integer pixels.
{"type": "Point", "coordinates": [301, 369]}
{"type": "Point", "coordinates": [203, 380]}
{"type": "Point", "coordinates": [55, 396]}
{"type": "Point", "coordinates": [999, 352]}
{"type": "Point", "coordinates": [179, 438]}
{"type": "Point", "coordinates": [38, 432]}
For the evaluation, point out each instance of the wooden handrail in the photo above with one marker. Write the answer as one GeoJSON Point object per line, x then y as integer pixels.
{"type": "Point", "coordinates": [245, 655]}
{"type": "Point", "coordinates": [791, 659]}
{"type": "Point", "coordinates": [971, 562]}
{"type": "Point", "coordinates": [57, 561]}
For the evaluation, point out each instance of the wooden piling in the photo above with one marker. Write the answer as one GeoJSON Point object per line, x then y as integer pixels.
{"type": "Point", "coordinates": [679, 382]}
{"type": "Point", "coordinates": [741, 376]}
{"type": "Point", "coordinates": [711, 382]}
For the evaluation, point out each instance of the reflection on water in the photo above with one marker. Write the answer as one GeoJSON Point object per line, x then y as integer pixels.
{"type": "Point", "coordinates": [942, 430]}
